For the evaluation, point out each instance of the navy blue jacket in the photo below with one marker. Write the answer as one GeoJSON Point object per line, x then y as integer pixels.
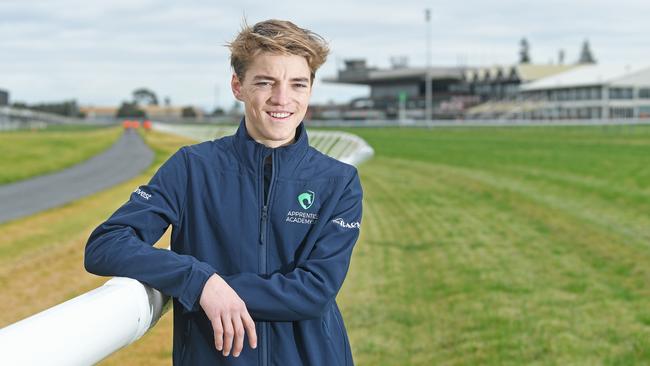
{"type": "Point", "coordinates": [286, 255]}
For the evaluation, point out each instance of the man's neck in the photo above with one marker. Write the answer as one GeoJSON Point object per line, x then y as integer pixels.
{"type": "Point", "coordinates": [271, 143]}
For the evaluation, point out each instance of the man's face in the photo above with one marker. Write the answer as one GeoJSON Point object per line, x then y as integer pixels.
{"type": "Point", "coordinates": [275, 92]}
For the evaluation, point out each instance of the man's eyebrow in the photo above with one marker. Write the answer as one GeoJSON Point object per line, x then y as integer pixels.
{"type": "Point", "coordinates": [266, 77]}
{"type": "Point", "coordinates": [263, 77]}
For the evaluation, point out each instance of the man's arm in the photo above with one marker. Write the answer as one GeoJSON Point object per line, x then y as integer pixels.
{"type": "Point", "coordinates": [305, 292]}
{"type": "Point", "coordinates": [123, 244]}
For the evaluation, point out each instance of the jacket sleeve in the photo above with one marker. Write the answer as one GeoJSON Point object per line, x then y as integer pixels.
{"type": "Point", "coordinates": [123, 244]}
{"type": "Point", "coordinates": [305, 292]}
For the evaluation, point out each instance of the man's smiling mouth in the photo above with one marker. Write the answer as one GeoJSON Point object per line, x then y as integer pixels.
{"type": "Point", "coordinates": [279, 115]}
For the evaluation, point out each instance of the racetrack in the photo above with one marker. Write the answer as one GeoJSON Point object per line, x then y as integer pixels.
{"type": "Point", "coordinates": [125, 159]}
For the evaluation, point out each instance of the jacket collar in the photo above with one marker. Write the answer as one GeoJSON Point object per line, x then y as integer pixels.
{"type": "Point", "coordinates": [251, 152]}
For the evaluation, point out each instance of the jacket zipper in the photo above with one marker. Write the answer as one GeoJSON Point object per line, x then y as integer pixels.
{"type": "Point", "coordinates": [265, 344]}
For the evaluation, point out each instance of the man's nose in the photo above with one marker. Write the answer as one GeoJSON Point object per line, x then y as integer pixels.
{"type": "Point", "coordinates": [280, 95]}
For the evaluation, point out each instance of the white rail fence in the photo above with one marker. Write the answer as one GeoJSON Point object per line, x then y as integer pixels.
{"type": "Point", "coordinates": [92, 326]}
{"type": "Point", "coordinates": [16, 118]}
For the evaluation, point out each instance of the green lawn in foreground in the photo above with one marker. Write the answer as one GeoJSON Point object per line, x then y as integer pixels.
{"type": "Point", "coordinates": [486, 246]}
{"type": "Point", "coordinates": [25, 154]}
{"type": "Point", "coordinates": [493, 246]}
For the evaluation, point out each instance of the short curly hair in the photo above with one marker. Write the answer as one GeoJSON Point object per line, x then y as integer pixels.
{"type": "Point", "coordinates": [276, 37]}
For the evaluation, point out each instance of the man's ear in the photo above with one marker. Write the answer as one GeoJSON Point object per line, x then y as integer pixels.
{"type": "Point", "coordinates": [235, 85]}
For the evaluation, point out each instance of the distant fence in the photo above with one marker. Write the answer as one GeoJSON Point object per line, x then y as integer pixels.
{"type": "Point", "coordinates": [18, 118]}
{"type": "Point", "coordinates": [92, 326]}
{"type": "Point", "coordinates": [477, 122]}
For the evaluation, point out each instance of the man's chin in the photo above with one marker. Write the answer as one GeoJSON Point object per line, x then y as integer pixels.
{"type": "Point", "coordinates": [281, 136]}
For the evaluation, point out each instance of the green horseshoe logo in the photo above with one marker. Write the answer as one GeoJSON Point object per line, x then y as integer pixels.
{"type": "Point", "coordinates": [306, 199]}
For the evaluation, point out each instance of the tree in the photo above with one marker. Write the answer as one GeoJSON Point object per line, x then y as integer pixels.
{"type": "Point", "coordinates": [130, 110]}
{"type": "Point", "coordinates": [524, 51]}
{"type": "Point", "coordinates": [144, 96]}
{"type": "Point", "coordinates": [586, 57]}
{"type": "Point", "coordinates": [188, 112]}
{"type": "Point", "coordinates": [218, 111]}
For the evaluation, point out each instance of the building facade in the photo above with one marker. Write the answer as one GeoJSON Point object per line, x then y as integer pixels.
{"type": "Point", "coordinates": [522, 91]}
{"type": "Point", "coordinates": [4, 98]}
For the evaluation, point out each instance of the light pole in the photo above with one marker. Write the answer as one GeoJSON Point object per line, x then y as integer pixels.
{"type": "Point", "coordinates": [427, 75]}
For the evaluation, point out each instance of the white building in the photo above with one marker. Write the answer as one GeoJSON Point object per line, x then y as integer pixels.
{"type": "Point", "coordinates": [588, 91]}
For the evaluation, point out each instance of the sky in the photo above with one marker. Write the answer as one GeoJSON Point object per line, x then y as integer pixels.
{"type": "Point", "coordinates": [98, 52]}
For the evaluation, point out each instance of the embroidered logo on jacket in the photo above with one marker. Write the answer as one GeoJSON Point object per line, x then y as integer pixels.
{"type": "Point", "coordinates": [306, 199]}
{"type": "Point", "coordinates": [347, 225]}
{"type": "Point", "coordinates": [299, 217]}
{"type": "Point", "coordinates": [142, 194]}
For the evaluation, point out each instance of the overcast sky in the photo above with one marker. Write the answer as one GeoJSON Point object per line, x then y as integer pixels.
{"type": "Point", "coordinates": [98, 52]}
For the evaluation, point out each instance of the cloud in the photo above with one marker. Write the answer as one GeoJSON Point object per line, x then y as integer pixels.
{"type": "Point", "coordinates": [98, 52]}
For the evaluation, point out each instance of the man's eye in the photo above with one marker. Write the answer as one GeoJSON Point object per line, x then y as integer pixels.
{"type": "Point", "coordinates": [263, 83]}
{"type": "Point", "coordinates": [300, 85]}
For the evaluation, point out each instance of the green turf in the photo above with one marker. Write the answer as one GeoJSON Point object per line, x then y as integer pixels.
{"type": "Point", "coordinates": [30, 153]}
{"type": "Point", "coordinates": [480, 246]}
{"type": "Point", "coordinates": [493, 246]}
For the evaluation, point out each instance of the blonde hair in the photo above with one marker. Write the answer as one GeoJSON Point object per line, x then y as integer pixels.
{"type": "Point", "coordinates": [276, 37]}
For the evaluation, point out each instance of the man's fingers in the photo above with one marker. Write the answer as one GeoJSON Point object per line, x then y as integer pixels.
{"type": "Point", "coordinates": [249, 324]}
{"type": "Point", "coordinates": [238, 343]}
{"type": "Point", "coordinates": [228, 333]}
{"type": "Point", "coordinates": [218, 333]}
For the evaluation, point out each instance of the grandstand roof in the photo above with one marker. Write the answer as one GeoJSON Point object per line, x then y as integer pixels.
{"type": "Point", "coordinates": [591, 74]}
{"type": "Point", "coordinates": [371, 76]}
{"type": "Point", "coordinates": [416, 72]}
{"type": "Point", "coordinates": [523, 72]}
{"type": "Point", "coordinates": [529, 72]}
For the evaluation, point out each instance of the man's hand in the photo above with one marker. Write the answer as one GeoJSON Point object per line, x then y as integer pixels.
{"type": "Point", "coordinates": [228, 315]}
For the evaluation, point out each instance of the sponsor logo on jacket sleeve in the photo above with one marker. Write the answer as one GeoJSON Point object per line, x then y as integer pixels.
{"type": "Point", "coordinates": [347, 225]}
{"type": "Point", "coordinates": [142, 194]}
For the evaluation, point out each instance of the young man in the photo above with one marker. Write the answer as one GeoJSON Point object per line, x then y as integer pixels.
{"type": "Point", "coordinates": [263, 224]}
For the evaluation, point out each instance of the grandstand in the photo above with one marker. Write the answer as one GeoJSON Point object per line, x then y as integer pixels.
{"type": "Point", "coordinates": [520, 91]}
{"type": "Point", "coordinates": [583, 92]}
{"type": "Point", "coordinates": [388, 86]}
{"type": "Point", "coordinates": [454, 89]}
{"type": "Point", "coordinates": [503, 82]}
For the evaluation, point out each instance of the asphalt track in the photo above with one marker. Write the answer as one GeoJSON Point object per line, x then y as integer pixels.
{"type": "Point", "coordinates": [127, 158]}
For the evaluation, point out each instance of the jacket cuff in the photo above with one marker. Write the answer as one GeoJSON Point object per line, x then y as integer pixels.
{"type": "Point", "coordinates": [199, 275]}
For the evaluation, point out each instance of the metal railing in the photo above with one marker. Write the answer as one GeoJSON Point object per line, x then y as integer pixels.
{"type": "Point", "coordinates": [86, 329]}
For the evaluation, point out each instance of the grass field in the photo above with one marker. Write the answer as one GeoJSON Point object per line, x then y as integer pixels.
{"type": "Point", "coordinates": [497, 246]}
{"type": "Point", "coordinates": [484, 246]}
{"type": "Point", "coordinates": [29, 153]}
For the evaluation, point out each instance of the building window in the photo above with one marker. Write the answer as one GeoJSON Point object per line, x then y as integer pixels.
{"type": "Point", "coordinates": [595, 112]}
{"type": "Point", "coordinates": [620, 112]}
{"type": "Point", "coordinates": [596, 93]}
{"type": "Point", "coordinates": [644, 111]}
{"type": "Point", "coordinates": [644, 93]}
{"type": "Point", "coordinates": [621, 93]}
{"type": "Point", "coordinates": [571, 94]}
